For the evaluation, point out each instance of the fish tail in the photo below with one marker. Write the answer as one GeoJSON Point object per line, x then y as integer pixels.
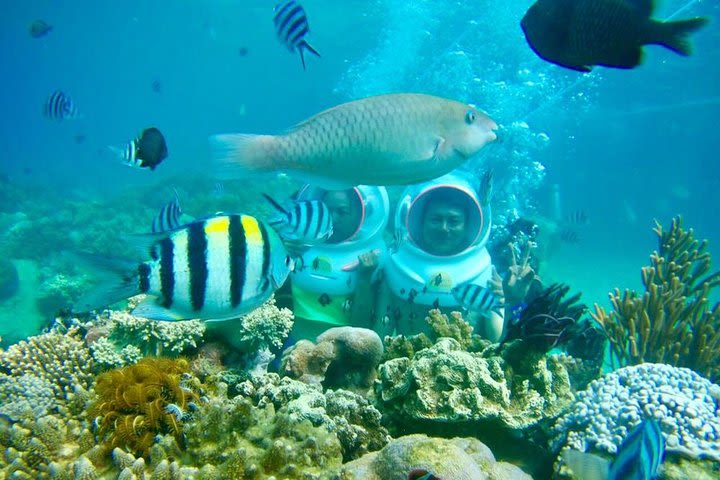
{"type": "Point", "coordinates": [117, 280]}
{"type": "Point", "coordinates": [239, 154]}
{"type": "Point", "coordinates": [673, 35]}
{"type": "Point", "coordinates": [306, 46]}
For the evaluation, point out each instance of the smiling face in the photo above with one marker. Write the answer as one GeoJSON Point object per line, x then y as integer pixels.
{"type": "Point", "coordinates": [444, 228]}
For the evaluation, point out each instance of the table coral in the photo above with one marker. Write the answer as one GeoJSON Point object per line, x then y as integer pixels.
{"type": "Point", "coordinates": [684, 403]}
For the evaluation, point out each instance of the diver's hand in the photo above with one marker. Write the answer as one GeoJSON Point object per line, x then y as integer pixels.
{"type": "Point", "coordinates": [368, 262]}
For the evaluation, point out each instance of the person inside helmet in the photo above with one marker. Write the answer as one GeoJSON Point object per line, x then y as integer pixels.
{"type": "Point", "coordinates": [346, 210]}
{"type": "Point", "coordinates": [443, 229]}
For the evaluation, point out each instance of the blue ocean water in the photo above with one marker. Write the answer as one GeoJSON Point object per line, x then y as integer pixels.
{"type": "Point", "coordinates": [625, 147]}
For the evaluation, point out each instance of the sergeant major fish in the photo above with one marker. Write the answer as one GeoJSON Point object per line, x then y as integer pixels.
{"type": "Point", "coordinates": [217, 268]}
{"type": "Point", "coordinates": [578, 34]}
{"type": "Point", "coordinates": [306, 221]}
{"type": "Point", "coordinates": [475, 298]}
{"type": "Point", "coordinates": [393, 139]}
{"type": "Point", "coordinates": [146, 151]}
{"type": "Point", "coordinates": [292, 27]}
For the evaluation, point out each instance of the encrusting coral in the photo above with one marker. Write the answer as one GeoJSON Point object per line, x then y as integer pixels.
{"type": "Point", "coordinates": [138, 402]}
{"type": "Point", "coordinates": [671, 322]}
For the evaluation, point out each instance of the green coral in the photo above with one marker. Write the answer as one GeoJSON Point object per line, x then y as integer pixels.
{"type": "Point", "coordinates": [671, 322]}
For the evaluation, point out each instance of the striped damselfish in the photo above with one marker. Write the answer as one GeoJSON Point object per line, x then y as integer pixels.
{"type": "Point", "coordinates": [216, 268]}
{"type": "Point", "coordinates": [638, 458]}
{"type": "Point", "coordinates": [476, 298]}
{"type": "Point", "coordinates": [291, 26]}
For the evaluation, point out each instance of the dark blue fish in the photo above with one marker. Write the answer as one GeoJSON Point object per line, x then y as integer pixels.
{"type": "Point", "coordinates": [146, 151]}
{"type": "Point", "coordinates": [291, 26]}
{"type": "Point", "coordinates": [39, 28]}
{"type": "Point", "coordinates": [638, 458]}
{"type": "Point", "coordinates": [59, 106]}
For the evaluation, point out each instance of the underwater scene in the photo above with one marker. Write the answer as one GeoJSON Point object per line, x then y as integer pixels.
{"type": "Point", "coordinates": [360, 240]}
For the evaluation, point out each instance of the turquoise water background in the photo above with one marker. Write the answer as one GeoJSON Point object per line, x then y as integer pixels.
{"type": "Point", "coordinates": [625, 147]}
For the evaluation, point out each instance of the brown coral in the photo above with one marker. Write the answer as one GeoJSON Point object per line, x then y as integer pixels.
{"type": "Point", "coordinates": [671, 322]}
{"type": "Point", "coordinates": [140, 401]}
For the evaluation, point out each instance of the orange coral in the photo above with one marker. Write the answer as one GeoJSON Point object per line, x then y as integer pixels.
{"type": "Point", "coordinates": [137, 402]}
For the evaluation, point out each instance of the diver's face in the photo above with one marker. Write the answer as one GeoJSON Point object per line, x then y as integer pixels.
{"type": "Point", "coordinates": [345, 213]}
{"type": "Point", "coordinates": [443, 229]}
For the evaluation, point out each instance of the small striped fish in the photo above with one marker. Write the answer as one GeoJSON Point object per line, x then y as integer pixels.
{"type": "Point", "coordinates": [169, 216]}
{"type": "Point", "coordinates": [475, 298]}
{"type": "Point", "coordinates": [308, 221]}
{"type": "Point", "coordinates": [146, 151]}
{"type": "Point", "coordinates": [59, 106]}
{"type": "Point", "coordinates": [291, 26]}
{"type": "Point", "coordinates": [638, 458]}
{"type": "Point", "coordinates": [217, 268]}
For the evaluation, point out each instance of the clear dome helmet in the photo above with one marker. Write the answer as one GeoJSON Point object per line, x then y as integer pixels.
{"type": "Point", "coordinates": [331, 267]}
{"type": "Point", "coordinates": [428, 278]}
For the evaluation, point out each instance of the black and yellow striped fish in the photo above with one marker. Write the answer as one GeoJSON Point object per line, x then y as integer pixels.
{"type": "Point", "coordinates": [216, 268]}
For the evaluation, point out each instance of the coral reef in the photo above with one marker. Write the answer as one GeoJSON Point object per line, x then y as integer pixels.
{"type": "Point", "coordinates": [138, 402]}
{"type": "Point", "coordinates": [343, 357]}
{"type": "Point", "coordinates": [671, 322]}
{"type": "Point", "coordinates": [357, 423]}
{"type": "Point", "coordinates": [456, 459]}
{"type": "Point", "coordinates": [685, 405]}
{"type": "Point", "coordinates": [447, 385]}
{"type": "Point", "coordinates": [265, 328]}
{"type": "Point", "coordinates": [154, 338]}
{"type": "Point", "coordinates": [53, 360]}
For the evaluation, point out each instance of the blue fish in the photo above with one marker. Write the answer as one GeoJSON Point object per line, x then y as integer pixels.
{"type": "Point", "coordinates": [291, 26]}
{"type": "Point", "coordinates": [59, 106]}
{"type": "Point", "coordinates": [638, 458]}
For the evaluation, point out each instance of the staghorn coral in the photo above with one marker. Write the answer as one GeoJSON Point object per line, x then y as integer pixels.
{"type": "Point", "coordinates": [136, 403]}
{"type": "Point", "coordinates": [671, 322]}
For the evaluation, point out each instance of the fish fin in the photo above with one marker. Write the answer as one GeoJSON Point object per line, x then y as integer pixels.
{"type": "Point", "coordinates": [236, 155]}
{"type": "Point", "coordinates": [116, 280]}
{"type": "Point", "coordinates": [673, 35]}
{"type": "Point", "coordinates": [438, 150]}
{"type": "Point", "coordinates": [150, 309]}
{"type": "Point", "coordinates": [586, 465]}
{"type": "Point", "coordinates": [275, 204]}
{"type": "Point", "coordinates": [643, 7]}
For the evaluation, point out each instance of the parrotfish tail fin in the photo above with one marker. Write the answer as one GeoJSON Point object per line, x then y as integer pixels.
{"type": "Point", "coordinates": [116, 280]}
{"type": "Point", "coordinates": [306, 46]}
{"type": "Point", "coordinates": [673, 35]}
{"type": "Point", "coordinates": [586, 465]}
{"type": "Point", "coordinates": [237, 155]}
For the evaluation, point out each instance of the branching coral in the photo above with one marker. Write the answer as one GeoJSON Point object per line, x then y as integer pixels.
{"type": "Point", "coordinates": [671, 322]}
{"type": "Point", "coordinates": [140, 401]}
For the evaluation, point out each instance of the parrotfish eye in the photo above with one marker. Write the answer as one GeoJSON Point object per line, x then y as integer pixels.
{"type": "Point", "coordinates": [470, 117]}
